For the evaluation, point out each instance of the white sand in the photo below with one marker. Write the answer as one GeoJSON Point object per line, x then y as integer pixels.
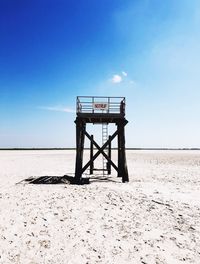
{"type": "Point", "coordinates": [155, 218]}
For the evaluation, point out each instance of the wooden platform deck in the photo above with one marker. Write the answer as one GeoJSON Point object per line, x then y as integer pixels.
{"type": "Point", "coordinates": [98, 118]}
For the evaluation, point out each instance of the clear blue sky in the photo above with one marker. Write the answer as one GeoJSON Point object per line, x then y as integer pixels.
{"type": "Point", "coordinates": [53, 50]}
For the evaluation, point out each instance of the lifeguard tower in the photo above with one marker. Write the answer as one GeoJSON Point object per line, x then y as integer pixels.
{"type": "Point", "coordinates": [100, 110]}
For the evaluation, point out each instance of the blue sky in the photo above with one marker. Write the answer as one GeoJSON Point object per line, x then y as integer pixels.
{"type": "Point", "coordinates": [147, 50]}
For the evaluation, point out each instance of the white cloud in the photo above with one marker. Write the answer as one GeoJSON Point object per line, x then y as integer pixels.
{"type": "Point", "coordinates": [57, 109]}
{"type": "Point", "coordinates": [116, 78]}
{"type": "Point", "coordinates": [125, 73]}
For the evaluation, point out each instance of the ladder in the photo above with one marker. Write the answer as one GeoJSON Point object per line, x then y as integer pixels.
{"type": "Point", "coordinates": [104, 139]}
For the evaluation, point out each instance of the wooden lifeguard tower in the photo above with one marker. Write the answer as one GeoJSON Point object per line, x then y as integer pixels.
{"type": "Point", "coordinates": [100, 110]}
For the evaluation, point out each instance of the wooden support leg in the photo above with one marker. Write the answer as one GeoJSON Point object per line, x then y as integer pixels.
{"type": "Point", "coordinates": [109, 155]}
{"type": "Point", "coordinates": [119, 154]}
{"type": "Point", "coordinates": [122, 165]}
{"type": "Point", "coordinates": [80, 135]}
{"type": "Point", "coordinates": [91, 154]}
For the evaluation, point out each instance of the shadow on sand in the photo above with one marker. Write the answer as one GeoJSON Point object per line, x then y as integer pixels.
{"type": "Point", "coordinates": [67, 179]}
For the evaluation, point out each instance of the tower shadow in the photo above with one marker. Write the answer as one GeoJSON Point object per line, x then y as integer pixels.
{"type": "Point", "coordinates": [66, 179]}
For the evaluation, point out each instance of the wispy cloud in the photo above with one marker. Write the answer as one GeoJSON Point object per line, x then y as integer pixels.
{"type": "Point", "coordinates": [57, 109]}
{"type": "Point", "coordinates": [116, 78]}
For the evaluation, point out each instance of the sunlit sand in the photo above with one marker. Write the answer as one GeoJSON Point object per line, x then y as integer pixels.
{"type": "Point", "coordinates": [152, 219]}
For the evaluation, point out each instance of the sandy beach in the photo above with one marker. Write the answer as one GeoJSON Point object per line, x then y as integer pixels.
{"type": "Point", "coordinates": [155, 218]}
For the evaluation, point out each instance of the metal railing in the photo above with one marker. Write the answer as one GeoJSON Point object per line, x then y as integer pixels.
{"type": "Point", "coordinates": [100, 104]}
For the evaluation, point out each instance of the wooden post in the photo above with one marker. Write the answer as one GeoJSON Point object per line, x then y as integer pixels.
{"type": "Point", "coordinates": [122, 165]}
{"type": "Point", "coordinates": [109, 155]}
{"type": "Point", "coordinates": [80, 135]}
{"type": "Point", "coordinates": [91, 154]}
{"type": "Point", "coordinates": [119, 152]}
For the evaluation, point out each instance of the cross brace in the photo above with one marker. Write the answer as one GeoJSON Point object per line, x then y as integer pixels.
{"type": "Point", "coordinates": [100, 151]}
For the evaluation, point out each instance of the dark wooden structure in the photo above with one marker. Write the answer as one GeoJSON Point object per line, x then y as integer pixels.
{"type": "Point", "coordinates": [100, 110]}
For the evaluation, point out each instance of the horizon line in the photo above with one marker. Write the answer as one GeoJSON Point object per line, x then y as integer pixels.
{"type": "Point", "coordinates": [115, 148]}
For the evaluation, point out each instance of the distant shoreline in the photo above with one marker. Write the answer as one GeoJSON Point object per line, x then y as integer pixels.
{"type": "Point", "coordinates": [88, 148]}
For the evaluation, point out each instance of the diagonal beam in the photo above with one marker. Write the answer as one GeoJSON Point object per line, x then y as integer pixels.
{"type": "Point", "coordinates": [101, 151]}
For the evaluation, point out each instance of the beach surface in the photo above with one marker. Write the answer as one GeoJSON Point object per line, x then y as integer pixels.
{"type": "Point", "coordinates": [155, 218]}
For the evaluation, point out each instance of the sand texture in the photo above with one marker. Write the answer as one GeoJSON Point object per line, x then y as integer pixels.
{"type": "Point", "coordinates": [155, 218]}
